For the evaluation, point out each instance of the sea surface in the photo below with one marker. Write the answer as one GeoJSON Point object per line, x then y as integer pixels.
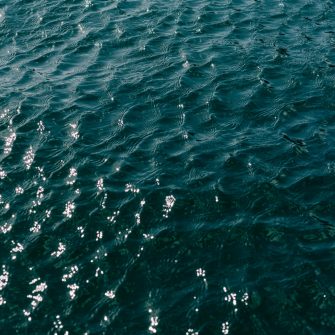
{"type": "Point", "coordinates": [167, 167]}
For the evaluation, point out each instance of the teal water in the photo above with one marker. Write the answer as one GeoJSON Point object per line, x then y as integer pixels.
{"type": "Point", "coordinates": [167, 167]}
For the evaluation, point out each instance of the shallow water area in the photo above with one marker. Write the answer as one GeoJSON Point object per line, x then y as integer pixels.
{"type": "Point", "coordinates": [167, 167]}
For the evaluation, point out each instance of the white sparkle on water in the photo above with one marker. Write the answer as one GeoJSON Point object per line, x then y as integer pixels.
{"type": "Point", "coordinates": [59, 325]}
{"type": "Point", "coordinates": [69, 209]}
{"type": "Point", "coordinates": [40, 172]}
{"type": "Point", "coordinates": [40, 127]}
{"type": "Point", "coordinates": [74, 131]}
{"type": "Point", "coordinates": [98, 272]}
{"type": "Point", "coordinates": [88, 3]}
{"type": "Point", "coordinates": [73, 270]}
{"type": "Point", "coordinates": [148, 236]}
{"type": "Point", "coordinates": [6, 228]}
{"type": "Point", "coordinates": [19, 190]}
{"type": "Point", "coordinates": [112, 218]}
{"type": "Point", "coordinates": [153, 324]}
{"type": "Point", "coordinates": [201, 272]}
{"type": "Point", "coordinates": [28, 158]}
{"type": "Point", "coordinates": [60, 250]}
{"type": "Point", "coordinates": [40, 287]}
{"type": "Point", "coordinates": [2, 300]}
{"type": "Point", "coordinates": [100, 184]}
{"type": "Point", "coordinates": [3, 173]}
{"type": "Point", "coordinates": [73, 172]}
{"type": "Point", "coordinates": [99, 235]}
{"type": "Point", "coordinates": [35, 228]}
{"type": "Point", "coordinates": [169, 203]}
{"type": "Point", "coordinates": [245, 298]}
{"type": "Point", "coordinates": [186, 64]}
{"type": "Point", "coordinates": [9, 141]}
{"type": "Point", "coordinates": [35, 296]}
{"type": "Point", "coordinates": [73, 289]}
{"type": "Point", "coordinates": [104, 199]}
{"type": "Point", "coordinates": [72, 176]}
{"type": "Point", "coordinates": [231, 298]}
{"type": "Point", "coordinates": [81, 231]}
{"type": "Point", "coordinates": [4, 277]}
{"type": "Point", "coordinates": [131, 188]}
{"type": "Point", "coordinates": [225, 328]}
{"type": "Point", "coordinates": [6, 110]}
{"type": "Point", "coordinates": [39, 193]}
{"type": "Point", "coordinates": [120, 123]}
{"type": "Point", "coordinates": [110, 294]}
{"type": "Point", "coordinates": [17, 248]}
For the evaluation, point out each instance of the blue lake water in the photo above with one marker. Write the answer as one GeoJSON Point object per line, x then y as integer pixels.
{"type": "Point", "coordinates": [167, 167]}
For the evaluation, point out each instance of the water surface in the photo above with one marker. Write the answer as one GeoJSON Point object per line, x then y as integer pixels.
{"type": "Point", "coordinates": [167, 167]}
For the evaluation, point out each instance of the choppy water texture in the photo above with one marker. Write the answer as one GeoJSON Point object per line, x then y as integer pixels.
{"type": "Point", "coordinates": [167, 167]}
